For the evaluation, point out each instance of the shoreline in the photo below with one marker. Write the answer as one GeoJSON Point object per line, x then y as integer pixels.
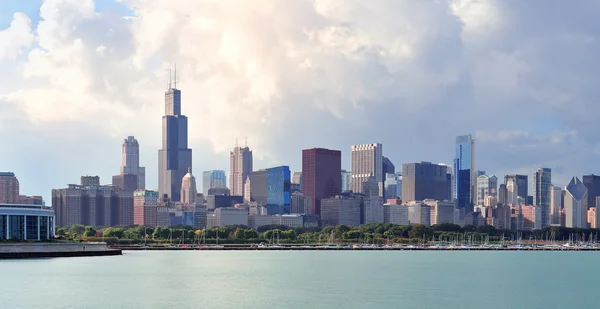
{"type": "Point", "coordinates": [333, 248]}
{"type": "Point", "coordinates": [53, 250]}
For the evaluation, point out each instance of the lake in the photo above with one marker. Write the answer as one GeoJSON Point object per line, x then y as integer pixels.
{"type": "Point", "coordinates": [305, 279]}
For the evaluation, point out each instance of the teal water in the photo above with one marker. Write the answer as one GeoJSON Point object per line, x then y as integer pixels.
{"type": "Point", "coordinates": [300, 279]}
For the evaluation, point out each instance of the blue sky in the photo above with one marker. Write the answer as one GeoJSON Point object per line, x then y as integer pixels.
{"type": "Point", "coordinates": [520, 76]}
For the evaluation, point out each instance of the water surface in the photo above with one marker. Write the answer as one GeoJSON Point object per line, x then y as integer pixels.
{"type": "Point", "coordinates": [305, 279]}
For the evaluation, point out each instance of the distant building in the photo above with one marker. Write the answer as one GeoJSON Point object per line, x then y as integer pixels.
{"type": "Point", "coordinates": [556, 204]}
{"type": "Point", "coordinates": [592, 183]}
{"type": "Point", "coordinates": [240, 163]}
{"type": "Point", "coordinates": [520, 182]}
{"type": "Point", "coordinates": [464, 173]}
{"type": "Point", "coordinates": [9, 188]}
{"type": "Point", "coordinates": [341, 209]}
{"type": "Point", "coordinates": [132, 176]}
{"type": "Point", "coordinates": [440, 211]}
{"type": "Point", "coordinates": [487, 185]}
{"type": "Point", "coordinates": [31, 200]}
{"type": "Point", "coordinates": [395, 214]}
{"type": "Point", "coordinates": [278, 190]}
{"type": "Point", "coordinates": [297, 180]}
{"type": "Point", "coordinates": [321, 170]}
{"type": "Point", "coordinates": [542, 180]}
{"type": "Point", "coordinates": [90, 180]}
{"type": "Point", "coordinates": [387, 167]}
{"type": "Point", "coordinates": [145, 203]}
{"type": "Point", "coordinates": [591, 218]}
{"type": "Point", "coordinates": [222, 201]}
{"type": "Point", "coordinates": [99, 206]}
{"type": "Point", "coordinates": [346, 181]}
{"type": "Point", "coordinates": [512, 192]}
{"type": "Point", "coordinates": [213, 179]}
{"type": "Point", "coordinates": [419, 213]}
{"type": "Point", "coordinates": [424, 180]}
{"type": "Point", "coordinates": [220, 191]}
{"type": "Point", "coordinates": [258, 187]}
{"type": "Point", "coordinates": [576, 204]}
{"type": "Point", "coordinates": [188, 188]}
{"type": "Point", "coordinates": [367, 161]}
{"type": "Point", "coordinates": [372, 210]}
{"type": "Point", "coordinates": [532, 219]}
{"type": "Point", "coordinates": [393, 186]}
{"type": "Point", "coordinates": [503, 194]}
{"type": "Point", "coordinates": [228, 216]}
{"type": "Point", "coordinates": [300, 204]}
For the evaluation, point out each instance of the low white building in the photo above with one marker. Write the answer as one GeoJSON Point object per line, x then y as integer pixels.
{"type": "Point", "coordinates": [291, 220]}
{"type": "Point", "coordinates": [395, 214]}
{"type": "Point", "coordinates": [227, 216]}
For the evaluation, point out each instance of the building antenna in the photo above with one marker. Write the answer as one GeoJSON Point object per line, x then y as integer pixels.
{"type": "Point", "coordinates": [236, 142]}
{"type": "Point", "coordinates": [175, 76]}
{"type": "Point", "coordinates": [246, 142]}
{"type": "Point", "coordinates": [170, 77]}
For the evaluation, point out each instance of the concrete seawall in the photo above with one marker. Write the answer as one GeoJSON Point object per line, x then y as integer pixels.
{"type": "Point", "coordinates": [45, 250]}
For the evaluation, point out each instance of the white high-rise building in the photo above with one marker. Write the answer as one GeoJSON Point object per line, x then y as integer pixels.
{"type": "Point", "coordinates": [576, 204]}
{"type": "Point", "coordinates": [240, 163]}
{"type": "Point", "coordinates": [512, 192]}
{"type": "Point", "coordinates": [486, 186]}
{"type": "Point", "coordinates": [367, 162]}
{"type": "Point", "coordinates": [131, 161]}
{"type": "Point", "coordinates": [189, 190]}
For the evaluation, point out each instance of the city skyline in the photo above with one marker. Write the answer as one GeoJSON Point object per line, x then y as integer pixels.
{"type": "Point", "coordinates": [270, 94]}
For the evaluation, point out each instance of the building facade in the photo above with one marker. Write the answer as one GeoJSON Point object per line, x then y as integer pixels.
{"type": "Point", "coordinates": [240, 167]}
{"type": "Point", "coordinates": [592, 183]}
{"type": "Point", "coordinates": [346, 181]}
{"type": "Point", "coordinates": [174, 158]}
{"type": "Point", "coordinates": [321, 170]}
{"type": "Point", "coordinates": [440, 211]}
{"type": "Point", "coordinates": [132, 176]}
{"type": "Point", "coordinates": [188, 189]}
{"type": "Point", "coordinates": [521, 183]}
{"type": "Point", "coordinates": [487, 185]}
{"type": "Point", "coordinates": [542, 182]}
{"type": "Point", "coordinates": [395, 214]}
{"type": "Point", "coordinates": [424, 180]}
{"type": "Point", "coordinates": [556, 205]}
{"type": "Point", "coordinates": [278, 190]}
{"type": "Point", "coordinates": [26, 222]}
{"type": "Point", "coordinates": [9, 188]}
{"type": "Point", "coordinates": [464, 172]}
{"type": "Point", "coordinates": [258, 187]}
{"type": "Point", "coordinates": [341, 209]}
{"type": "Point", "coordinates": [213, 179]}
{"type": "Point", "coordinates": [145, 203]}
{"type": "Point", "coordinates": [576, 204]}
{"type": "Point", "coordinates": [367, 161]}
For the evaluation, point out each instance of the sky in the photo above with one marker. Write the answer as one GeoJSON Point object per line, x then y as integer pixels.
{"type": "Point", "coordinates": [79, 76]}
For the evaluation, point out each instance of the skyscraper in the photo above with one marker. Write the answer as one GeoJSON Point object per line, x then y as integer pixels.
{"type": "Point", "coordinates": [521, 182]}
{"type": "Point", "coordinates": [278, 190]}
{"type": "Point", "coordinates": [367, 161]}
{"type": "Point", "coordinates": [240, 166]}
{"type": "Point", "coordinates": [131, 161]}
{"type": "Point", "coordinates": [346, 181]}
{"type": "Point", "coordinates": [464, 172]}
{"type": "Point", "coordinates": [556, 205]}
{"type": "Point", "coordinates": [188, 188]}
{"type": "Point", "coordinates": [542, 182]}
{"type": "Point", "coordinates": [424, 180]}
{"type": "Point", "coordinates": [592, 183]}
{"type": "Point", "coordinates": [9, 188]}
{"type": "Point", "coordinates": [576, 204]}
{"type": "Point", "coordinates": [213, 179]}
{"type": "Point", "coordinates": [175, 158]}
{"type": "Point", "coordinates": [486, 186]}
{"type": "Point", "coordinates": [512, 192]}
{"type": "Point", "coordinates": [321, 170]}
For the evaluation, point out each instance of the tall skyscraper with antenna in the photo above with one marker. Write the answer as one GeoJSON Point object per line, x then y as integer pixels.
{"type": "Point", "coordinates": [174, 158]}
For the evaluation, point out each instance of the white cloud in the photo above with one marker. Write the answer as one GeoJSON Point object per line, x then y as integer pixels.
{"type": "Point", "coordinates": [16, 37]}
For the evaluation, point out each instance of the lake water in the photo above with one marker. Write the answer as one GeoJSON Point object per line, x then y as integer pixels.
{"type": "Point", "coordinates": [305, 279]}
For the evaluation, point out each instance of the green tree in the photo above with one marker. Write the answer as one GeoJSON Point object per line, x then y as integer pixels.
{"type": "Point", "coordinates": [114, 232]}
{"type": "Point", "coordinates": [158, 233]}
{"type": "Point", "coordinates": [250, 234]}
{"type": "Point", "coordinates": [62, 231]}
{"type": "Point", "coordinates": [420, 230]}
{"type": "Point", "coordinates": [239, 234]}
{"type": "Point", "coordinates": [77, 229]}
{"type": "Point", "coordinates": [89, 232]}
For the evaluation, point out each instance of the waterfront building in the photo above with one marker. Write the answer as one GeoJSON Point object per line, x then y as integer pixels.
{"type": "Point", "coordinates": [520, 183]}
{"type": "Point", "coordinates": [512, 192]}
{"type": "Point", "coordinates": [542, 182]}
{"type": "Point", "coordinates": [278, 190]}
{"type": "Point", "coordinates": [213, 179]}
{"type": "Point", "coordinates": [576, 204]}
{"type": "Point", "coordinates": [188, 189]}
{"type": "Point", "coordinates": [372, 210]}
{"type": "Point", "coordinates": [257, 220]}
{"type": "Point", "coordinates": [200, 216]}
{"type": "Point", "coordinates": [145, 203]}
{"type": "Point", "coordinates": [502, 213]}
{"type": "Point", "coordinates": [487, 185]}
{"type": "Point", "coordinates": [174, 158]}
{"type": "Point", "coordinates": [592, 183]}
{"type": "Point", "coordinates": [240, 166]}
{"type": "Point", "coordinates": [395, 213]}
{"type": "Point", "coordinates": [321, 170]}
{"type": "Point", "coordinates": [532, 217]}
{"type": "Point", "coordinates": [367, 161]}
{"type": "Point", "coordinates": [26, 222]}
{"type": "Point", "coordinates": [132, 176]}
{"type": "Point", "coordinates": [424, 180]}
{"type": "Point", "coordinates": [300, 204]}
{"type": "Point", "coordinates": [419, 213]}
{"type": "Point", "coordinates": [289, 220]}
{"type": "Point", "coordinates": [440, 211]}
{"type": "Point", "coordinates": [94, 205]}
{"type": "Point", "coordinates": [9, 188]}
{"type": "Point", "coordinates": [341, 209]}
{"type": "Point", "coordinates": [346, 181]}
{"type": "Point", "coordinates": [464, 172]}
{"type": "Point", "coordinates": [228, 216]}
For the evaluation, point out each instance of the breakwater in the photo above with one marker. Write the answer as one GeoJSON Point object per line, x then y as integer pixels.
{"type": "Point", "coordinates": [50, 250]}
{"type": "Point", "coordinates": [351, 248]}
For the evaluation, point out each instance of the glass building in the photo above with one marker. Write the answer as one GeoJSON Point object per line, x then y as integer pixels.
{"type": "Point", "coordinates": [542, 183]}
{"type": "Point", "coordinates": [278, 190]}
{"type": "Point", "coordinates": [464, 171]}
{"type": "Point", "coordinates": [26, 222]}
{"type": "Point", "coordinates": [213, 179]}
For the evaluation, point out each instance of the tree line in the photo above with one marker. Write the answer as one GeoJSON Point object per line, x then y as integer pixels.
{"type": "Point", "coordinates": [368, 233]}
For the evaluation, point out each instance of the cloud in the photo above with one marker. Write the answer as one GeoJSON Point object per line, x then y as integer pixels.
{"type": "Point", "coordinates": [297, 74]}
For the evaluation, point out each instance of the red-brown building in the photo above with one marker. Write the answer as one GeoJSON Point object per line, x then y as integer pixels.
{"type": "Point", "coordinates": [321, 175]}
